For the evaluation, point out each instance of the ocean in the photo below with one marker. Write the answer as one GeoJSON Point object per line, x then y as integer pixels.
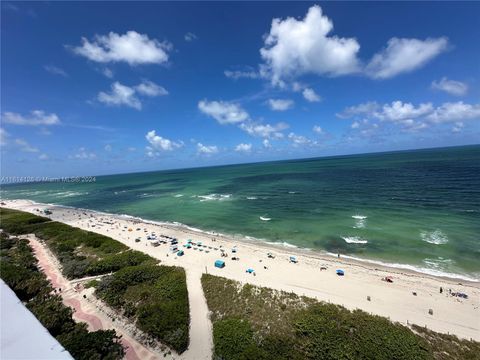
{"type": "Point", "coordinates": [411, 209]}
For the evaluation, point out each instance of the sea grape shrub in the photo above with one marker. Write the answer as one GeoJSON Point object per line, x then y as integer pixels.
{"type": "Point", "coordinates": [56, 317]}
{"type": "Point", "coordinates": [155, 297]}
{"type": "Point", "coordinates": [327, 331]}
{"type": "Point", "coordinates": [97, 345]}
{"type": "Point", "coordinates": [19, 222]}
{"type": "Point", "coordinates": [116, 262]}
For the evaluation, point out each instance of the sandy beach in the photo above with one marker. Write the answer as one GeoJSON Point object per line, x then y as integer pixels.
{"type": "Point", "coordinates": [407, 299]}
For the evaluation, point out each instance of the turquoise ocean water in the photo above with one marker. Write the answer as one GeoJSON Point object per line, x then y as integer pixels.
{"type": "Point", "coordinates": [416, 209]}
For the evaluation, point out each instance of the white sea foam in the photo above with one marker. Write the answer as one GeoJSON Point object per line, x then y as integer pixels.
{"type": "Point", "coordinates": [360, 221]}
{"type": "Point", "coordinates": [178, 195]}
{"type": "Point", "coordinates": [438, 264]}
{"type": "Point", "coordinates": [263, 218]}
{"type": "Point", "coordinates": [69, 194]}
{"type": "Point", "coordinates": [252, 198]}
{"type": "Point", "coordinates": [292, 192]}
{"type": "Point", "coordinates": [284, 244]}
{"type": "Point", "coordinates": [214, 197]}
{"type": "Point", "coordinates": [145, 195]}
{"type": "Point", "coordinates": [354, 240]}
{"type": "Point", "coordinates": [436, 237]}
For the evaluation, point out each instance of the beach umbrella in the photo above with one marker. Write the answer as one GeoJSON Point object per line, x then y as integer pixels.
{"type": "Point", "coordinates": [340, 272]}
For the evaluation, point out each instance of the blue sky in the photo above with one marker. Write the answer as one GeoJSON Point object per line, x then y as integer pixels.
{"type": "Point", "coordinates": [99, 88]}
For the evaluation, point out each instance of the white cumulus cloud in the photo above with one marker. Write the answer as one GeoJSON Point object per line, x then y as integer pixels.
{"type": "Point", "coordinates": [404, 55]}
{"type": "Point", "coordinates": [299, 140]}
{"type": "Point", "coordinates": [149, 88]}
{"type": "Point", "coordinates": [455, 111]}
{"type": "Point", "coordinates": [222, 111]}
{"type": "Point", "coordinates": [36, 117]}
{"type": "Point", "coordinates": [398, 110]}
{"type": "Point", "coordinates": [131, 47]}
{"type": "Point", "coordinates": [317, 129]}
{"type": "Point", "coordinates": [452, 87]}
{"type": "Point", "coordinates": [207, 149]}
{"type": "Point", "coordinates": [265, 130]}
{"type": "Point", "coordinates": [84, 154]}
{"type": "Point", "coordinates": [120, 95]}
{"type": "Point", "coordinates": [126, 95]}
{"type": "Point", "coordinates": [280, 104]}
{"type": "Point", "coordinates": [409, 117]}
{"type": "Point", "coordinates": [295, 47]}
{"type": "Point", "coordinates": [310, 95]}
{"type": "Point", "coordinates": [361, 109]}
{"type": "Point", "coordinates": [158, 143]}
{"type": "Point", "coordinates": [246, 148]}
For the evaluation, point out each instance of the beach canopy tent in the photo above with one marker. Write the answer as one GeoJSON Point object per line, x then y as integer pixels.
{"type": "Point", "coordinates": [293, 259]}
{"type": "Point", "coordinates": [180, 253]}
{"type": "Point", "coordinates": [340, 272]}
{"type": "Point", "coordinates": [250, 270]}
{"type": "Point", "coordinates": [189, 240]}
{"type": "Point", "coordinates": [188, 246]}
{"type": "Point", "coordinates": [220, 264]}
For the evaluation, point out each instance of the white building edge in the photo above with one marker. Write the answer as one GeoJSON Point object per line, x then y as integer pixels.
{"type": "Point", "coordinates": [22, 336]}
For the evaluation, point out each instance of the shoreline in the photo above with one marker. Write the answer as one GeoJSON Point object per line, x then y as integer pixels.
{"type": "Point", "coordinates": [408, 300]}
{"type": "Point", "coordinates": [319, 254]}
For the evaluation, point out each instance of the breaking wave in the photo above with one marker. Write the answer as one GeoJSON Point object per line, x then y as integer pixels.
{"type": "Point", "coordinates": [436, 237]}
{"type": "Point", "coordinates": [354, 240]}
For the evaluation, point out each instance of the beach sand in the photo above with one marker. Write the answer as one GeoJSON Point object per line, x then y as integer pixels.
{"type": "Point", "coordinates": [393, 300]}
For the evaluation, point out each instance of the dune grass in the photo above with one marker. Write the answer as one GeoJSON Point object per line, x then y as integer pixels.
{"type": "Point", "coordinates": [252, 322]}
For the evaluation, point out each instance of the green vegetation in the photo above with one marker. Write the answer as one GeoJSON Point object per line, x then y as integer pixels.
{"type": "Point", "coordinates": [251, 322]}
{"type": "Point", "coordinates": [18, 268]}
{"type": "Point", "coordinates": [449, 347]}
{"type": "Point", "coordinates": [19, 222]}
{"type": "Point", "coordinates": [153, 296]}
{"type": "Point", "coordinates": [91, 283]}
{"type": "Point", "coordinates": [81, 253]}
